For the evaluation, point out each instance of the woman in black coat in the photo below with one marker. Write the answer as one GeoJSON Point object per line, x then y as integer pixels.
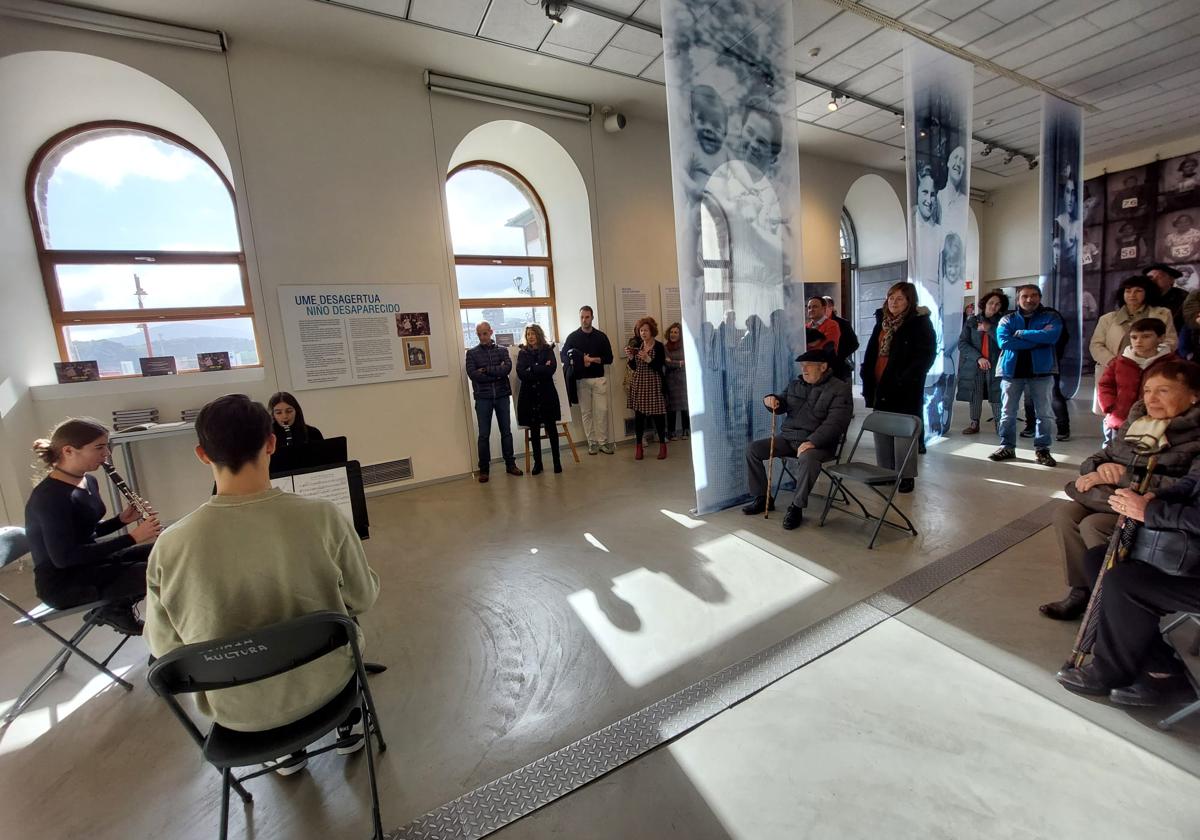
{"type": "Point", "coordinates": [537, 403]}
{"type": "Point", "coordinates": [899, 354]}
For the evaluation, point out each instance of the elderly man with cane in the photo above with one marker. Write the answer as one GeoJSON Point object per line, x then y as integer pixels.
{"type": "Point", "coordinates": [818, 408]}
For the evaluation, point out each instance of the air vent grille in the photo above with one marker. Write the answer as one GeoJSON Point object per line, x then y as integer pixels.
{"type": "Point", "coordinates": [387, 472]}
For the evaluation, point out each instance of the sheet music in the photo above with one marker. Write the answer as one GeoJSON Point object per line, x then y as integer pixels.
{"type": "Point", "coordinates": [332, 485]}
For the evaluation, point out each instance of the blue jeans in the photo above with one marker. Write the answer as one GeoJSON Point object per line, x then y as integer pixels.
{"type": "Point", "coordinates": [1011, 392]}
{"type": "Point", "coordinates": [484, 408]}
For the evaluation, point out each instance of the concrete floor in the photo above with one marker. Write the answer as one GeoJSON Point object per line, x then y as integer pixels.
{"type": "Point", "coordinates": [520, 615]}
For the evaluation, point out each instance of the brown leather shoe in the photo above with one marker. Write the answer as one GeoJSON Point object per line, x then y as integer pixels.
{"type": "Point", "coordinates": [483, 478]}
{"type": "Point", "coordinates": [514, 470]}
{"type": "Point", "coordinates": [1069, 608]}
{"type": "Point", "coordinates": [972, 429]}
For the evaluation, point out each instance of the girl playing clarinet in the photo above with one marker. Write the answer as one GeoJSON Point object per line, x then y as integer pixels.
{"type": "Point", "coordinates": [75, 560]}
{"type": "Point", "coordinates": [288, 422]}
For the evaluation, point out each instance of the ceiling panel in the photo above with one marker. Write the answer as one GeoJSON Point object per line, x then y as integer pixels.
{"type": "Point", "coordinates": [895, 8]}
{"type": "Point", "coordinates": [875, 120]}
{"type": "Point", "coordinates": [1008, 36]}
{"type": "Point", "coordinates": [1051, 43]}
{"type": "Point", "coordinates": [839, 33]}
{"type": "Point", "coordinates": [566, 52]}
{"type": "Point", "coordinates": [807, 16]}
{"type": "Point", "coordinates": [995, 107]}
{"type": "Point", "coordinates": [1157, 77]}
{"type": "Point", "coordinates": [873, 49]}
{"type": "Point", "coordinates": [639, 41]}
{"type": "Point", "coordinates": [623, 61]}
{"type": "Point", "coordinates": [1101, 57]}
{"type": "Point", "coordinates": [622, 7]}
{"type": "Point", "coordinates": [1065, 11]}
{"type": "Point", "coordinates": [456, 15]}
{"type": "Point", "coordinates": [925, 20]}
{"type": "Point", "coordinates": [649, 12]}
{"type": "Point", "coordinates": [846, 114]}
{"type": "Point", "coordinates": [657, 71]}
{"type": "Point", "coordinates": [991, 89]}
{"type": "Point", "coordinates": [969, 28]}
{"type": "Point", "coordinates": [1123, 10]}
{"type": "Point", "coordinates": [953, 9]}
{"type": "Point", "coordinates": [515, 22]}
{"type": "Point", "coordinates": [588, 33]}
{"type": "Point", "coordinates": [391, 8]}
{"type": "Point", "coordinates": [1178, 12]}
{"type": "Point", "coordinates": [1012, 10]}
{"type": "Point", "coordinates": [869, 81]}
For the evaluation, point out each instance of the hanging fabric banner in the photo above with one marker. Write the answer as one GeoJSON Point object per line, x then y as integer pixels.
{"type": "Point", "coordinates": [1061, 230]}
{"type": "Point", "coordinates": [735, 171]}
{"type": "Point", "coordinates": [937, 108]}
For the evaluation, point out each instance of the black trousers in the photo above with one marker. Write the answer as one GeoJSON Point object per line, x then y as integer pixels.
{"type": "Point", "coordinates": [1133, 601]}
{"type": "Point", "coordinates": [123, 577]}
{"type": "Point", "coordinates": [1062, 417]}
{"type": "Point", "coordinates": [685, 421]}
{"type": "Point", "coordinates": [807, 469]}
{"type": "Point", "coordinates": [535, 441]}
{"type": "Point", "coordinates": [660, 425]}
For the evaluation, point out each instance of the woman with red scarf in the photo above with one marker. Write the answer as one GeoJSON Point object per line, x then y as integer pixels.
{"type": "Point", "coordinates": [901, 350]}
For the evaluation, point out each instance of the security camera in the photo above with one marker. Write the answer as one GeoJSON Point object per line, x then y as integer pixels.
{"type": "Point", "coordinates": [614, 121]}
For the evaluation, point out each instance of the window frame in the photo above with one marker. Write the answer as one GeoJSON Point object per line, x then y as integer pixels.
{"type": "Point", "coordinates": [546, 262]}
{"type": "Point", "coordinates": [50, 258]}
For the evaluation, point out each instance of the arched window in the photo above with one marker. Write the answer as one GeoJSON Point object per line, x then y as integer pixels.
{"type": "Point", "coordinates": [502, 256]}
{"type": "Point", "coordinates": [140, 252]}
{"type": "Point", "coordinates": [847, 240]}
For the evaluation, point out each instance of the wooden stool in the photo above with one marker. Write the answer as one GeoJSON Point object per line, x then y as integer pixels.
{"type": "Point", "coordinates": [564, 429]}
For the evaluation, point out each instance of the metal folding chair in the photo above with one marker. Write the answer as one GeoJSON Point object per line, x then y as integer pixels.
{"type": "Point", "coordinates": [13, 546]}
{"type": "Point", "coordinates": [1193, 649]}
{"type": "Point", "coordinates": [261, 654]}
{"type": "Point", "coordinates": [899, 426]}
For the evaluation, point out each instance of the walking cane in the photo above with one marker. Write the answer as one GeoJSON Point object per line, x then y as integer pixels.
{"type": "Point", "coordinates": [770, 466]}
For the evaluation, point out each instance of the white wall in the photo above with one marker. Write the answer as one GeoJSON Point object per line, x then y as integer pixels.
{"type": "Point", "coordinates": [878, 216]}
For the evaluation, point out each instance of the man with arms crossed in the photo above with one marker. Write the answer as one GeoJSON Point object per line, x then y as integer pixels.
{"type": "Point", "coordinates": [250, 556]}
{"type": "Point", "coordinates": [587, 351]}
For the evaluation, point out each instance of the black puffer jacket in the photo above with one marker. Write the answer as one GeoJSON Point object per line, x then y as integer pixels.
{"type": "Point", "coordinates": [902, 387]}
{"type": "Point", "coordinates": [1174, 462]}
{"type": "Point", "coordinates": [819, 414]}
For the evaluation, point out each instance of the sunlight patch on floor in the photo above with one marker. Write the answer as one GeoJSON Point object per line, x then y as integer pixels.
{"type": "Point", "coordinates": [39, 719]}
{"type": "Point", "coordinates": [682, 615]}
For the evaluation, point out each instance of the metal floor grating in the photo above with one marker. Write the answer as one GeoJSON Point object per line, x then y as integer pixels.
{"type": "Point", "coordinates": [514, 795]}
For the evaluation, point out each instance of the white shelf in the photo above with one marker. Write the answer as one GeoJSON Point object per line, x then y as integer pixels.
{"type": "Point", "coordinates": [74, 390]}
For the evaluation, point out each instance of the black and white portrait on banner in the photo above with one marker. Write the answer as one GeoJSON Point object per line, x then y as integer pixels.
{"type": "Point", "coordinates": [734, 162]}
{"type": "Point", "coordinates": [938, 91]}
{"type": "Point", "coordinates": [1179, 236]}
{"type": "Point", "coordinates": [1128, 244]}
{"type": "Point", "coordinates": [1179, 183]}
{"type": "Point", "coordinates": [1061, 223]}
{"type": "Point", "coordinates": [1128, 194]}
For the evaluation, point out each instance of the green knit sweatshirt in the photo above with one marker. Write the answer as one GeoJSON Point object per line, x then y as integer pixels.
{"type": "Point", "coordinates": [241, 562]}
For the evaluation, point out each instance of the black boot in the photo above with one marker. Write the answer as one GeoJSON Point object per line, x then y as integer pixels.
{"type": "Point", "coordinates": [537, 467]}
{"type": "Point", "coordinates": [758, 505]}
{"type": "Point", "coordinates": [1069, 608]}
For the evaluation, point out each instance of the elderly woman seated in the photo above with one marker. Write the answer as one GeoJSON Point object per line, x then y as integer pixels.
{"type": "Point", "coordinates": [1132, 663]}
{"type": "Point", "coordinates": [1168, 409]}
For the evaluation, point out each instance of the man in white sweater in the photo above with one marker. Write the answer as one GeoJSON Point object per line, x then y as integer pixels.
{"type": "Point", "coordinates": [251, 556]}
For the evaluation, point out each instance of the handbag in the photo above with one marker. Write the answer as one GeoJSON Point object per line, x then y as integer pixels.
{"type": "Point", "coordinates": [1095, 500]}
{"type": "Point", "coordinates": [1170, 550]}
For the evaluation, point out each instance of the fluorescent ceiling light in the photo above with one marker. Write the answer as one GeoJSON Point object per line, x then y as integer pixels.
{"type": "Point", "coordinates": [75, 17]}
{"type": "Point", "coordinates": [501, 95]}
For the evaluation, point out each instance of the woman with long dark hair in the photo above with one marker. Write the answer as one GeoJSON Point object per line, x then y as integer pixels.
{"type": "Point", "coordinates": [537, 403]}
{"type": "Point", "coordinates": [978, 358]}
{"type": "Point", "coordinates": [900, 352]}
{"type": "Point", "coordinates": [647, 360]}
{"type": "Point", "coordinates": [287, 421]}
{"type": "Point", "coordinates": [75, 560]}
{"type": "Point", "coordinates": [676, 383]}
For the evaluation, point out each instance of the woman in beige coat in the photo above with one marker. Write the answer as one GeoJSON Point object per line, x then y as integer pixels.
{"type": "Point", "coordinates": [1136, 298]}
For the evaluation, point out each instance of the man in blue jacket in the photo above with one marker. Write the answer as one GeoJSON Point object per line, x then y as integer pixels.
{"type": "Point", "coordinates": [488, 367]}
{"type": "Point", "coordinates": [1027, 337]}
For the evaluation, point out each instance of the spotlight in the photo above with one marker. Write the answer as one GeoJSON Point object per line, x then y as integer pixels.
{"type": "Point", "coordinates": [987, 149]}
{"type": "Point", "coordinates": [554, 10]}
{"type": "Point", "coordinates": [833, 98]}
{"type": "Point", "coordinates": [1008, 157]}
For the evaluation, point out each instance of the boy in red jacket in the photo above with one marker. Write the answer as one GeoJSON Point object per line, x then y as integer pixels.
{"type": "Point", "coordinates": [1121, 383]}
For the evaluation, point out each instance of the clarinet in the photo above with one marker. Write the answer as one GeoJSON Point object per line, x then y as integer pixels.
{"type": "Point", "coordinates": [140, 505]}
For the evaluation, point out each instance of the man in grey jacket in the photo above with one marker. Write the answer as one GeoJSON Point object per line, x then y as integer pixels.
{"type": "Point", "coordinates": [818, 408]}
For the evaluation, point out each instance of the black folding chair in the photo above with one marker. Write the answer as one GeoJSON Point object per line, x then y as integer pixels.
{"type": "Point", "coordinates": [264, 653]}
{"type": "Point", "coordinates": [784, 470]}
{"type": "Point", "coordinates": [902, 426]}
{"type": "Point", "coordinates": [13, 546]}
{"type": "Point", "coordinates": [1193, 649]}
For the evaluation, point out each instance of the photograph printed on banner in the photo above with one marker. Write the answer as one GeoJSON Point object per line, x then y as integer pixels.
{"type": "Point", "coordinates": [1128, 194]}
{"type": "Point", "coordinates": [1189, 277]}
{"type": "Point", "coordinates": [731, 106]}
{"type": "Point", "coordinates": [1128, 245]}
{"type": "Point", "coordinates": [1092, 251]}
{"type": "Point", "coordinates": [1179, 236]}
{"type": "Point", "coordinates": [1091, 308]}
{"type": "Point", "coordinates": [412, 323]}
{"type": "Point", "coordinates": [938, 142]}
{"type": "Point", "coordinates": [1093, 202]}
{"type": "Point", "coordinates": [1179, 183]}
{"type": "Point", "coordinates": [1061, 220]}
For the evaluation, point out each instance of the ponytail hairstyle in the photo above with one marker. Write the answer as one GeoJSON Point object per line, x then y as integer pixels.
{"type": "Point", "coordinates": [76, 432]}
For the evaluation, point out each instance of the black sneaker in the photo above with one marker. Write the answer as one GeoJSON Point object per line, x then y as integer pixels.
{"type": "Point", "coordinates": [1004, 453]}
{"type": "Point", "coordinates": [793, 518]}
{"type": "Point", "coordinates": [119, 617]}
{"type": "Point", "coordinates": [907, 485]}
{"type": "Point", "coordinates": [1044, 458]}
{"type": "Point", "coordinates": [1028, 432]}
